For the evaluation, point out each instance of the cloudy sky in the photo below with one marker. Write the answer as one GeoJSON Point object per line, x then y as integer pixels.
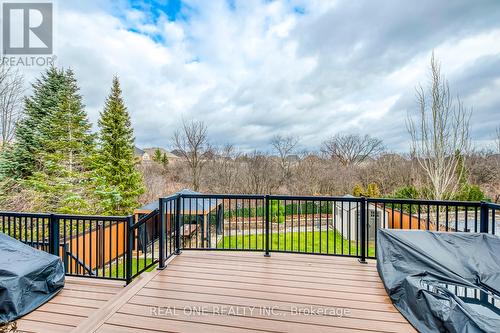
{"type": "Point", "coordinates": [252, 69]}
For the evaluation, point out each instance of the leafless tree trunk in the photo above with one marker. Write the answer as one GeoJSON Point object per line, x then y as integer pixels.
{"type": "Point", "coordinates": [496, 173]}
{"type": "Point", "coordinates": [308, 175]}
{"type": "Point", "coordinates": [440, 133]}
{"type": "Point", "coordinates": [260, 174]}
{"type": "Point", "coordinates": [11, 94]}
{"type": "Point", "coordinates": [388, 171]}
{"type": "Point", "coordinates": [497, 140]}
{"type": "Point", "coordinates": [223, 171]}
{"type": "Point", "coordinates": [352, 148]}
{"type": "Point", "coordinates": [284, 147]}
{"type": "Point", "coordinates": [192, 143]}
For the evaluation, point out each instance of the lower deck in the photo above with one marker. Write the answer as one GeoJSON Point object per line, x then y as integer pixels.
{"type": "Point", "coordinates": [209, 291]}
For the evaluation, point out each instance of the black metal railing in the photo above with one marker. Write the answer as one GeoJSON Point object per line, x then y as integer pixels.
{"type": "Point", "coordinates": [94, 246]}
{"type": "Point", "coordinates": [342, 226]}
{"type": "Point", "coordinates": [29, 228]}
{"type": "Point", "coordinates": [315, 225]}
{"type": "Point", "coordinates": [142, 244]}
{"type": "Point", "coordinates": [168, 236]}
{"type": "Point", "coordinates": [121, 247]}
{"type": "Point", "coordinates": [221, 222]}
{"type": "Point", "coordinates": [491, 220]}
{"type": "Point", "coordinates": [103, 247]}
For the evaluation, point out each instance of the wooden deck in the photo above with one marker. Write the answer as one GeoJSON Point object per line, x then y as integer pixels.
{"type": "Point", "coordinates": [241, 292]}
{"type": "Point", "coordinates": [79, 299]}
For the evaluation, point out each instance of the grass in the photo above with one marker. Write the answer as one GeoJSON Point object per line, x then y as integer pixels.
{"type": "Point", "coordinates": [327, 242]}
{"type": "Point", "coordinates": [121, 267]}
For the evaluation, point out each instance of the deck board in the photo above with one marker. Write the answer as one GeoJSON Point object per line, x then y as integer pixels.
{"type": "Point", "coordinates": [336, 285]}
{"type": "Point", "coordinates": [213, 291]}
{"type": "Point", "coordinates": [245, 292]}
{"type": "Point", "coordinates": [79, 299]}
{"type": "Point", "coordinates": [184, 284]}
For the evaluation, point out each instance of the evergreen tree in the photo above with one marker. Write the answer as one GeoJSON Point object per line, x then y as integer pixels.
{"type": "Point", "coordinates": [157, 156]}
{"type": "Point", "coordinates": [119, 183]}
{"type": "Point", "coordinates": [63, 183]}
{"type": "Point", "coordinates": [21, 160]}
{"type": "Point", "coordinates": [160, 158]}
{"type": "Point", "coordinates": [406, 192]}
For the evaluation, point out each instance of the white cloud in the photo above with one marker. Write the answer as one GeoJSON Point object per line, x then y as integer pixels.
{"type": "Point", "coordinates": [262, 68]}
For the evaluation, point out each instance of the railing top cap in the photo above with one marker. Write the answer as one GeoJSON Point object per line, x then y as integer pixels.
{"type": "Point", "coordinates": [66, 216]}
{"type": "Point", "coordinates": [328, 198]}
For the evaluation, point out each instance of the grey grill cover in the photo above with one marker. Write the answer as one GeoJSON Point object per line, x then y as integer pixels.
{"type": "Point", "coordinates": [426, 274]}
{"type": "Point", "coordinates": [28, 278]}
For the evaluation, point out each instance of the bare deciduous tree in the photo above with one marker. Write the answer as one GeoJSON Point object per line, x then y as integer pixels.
{"type": "Point", "coordinates": [284, 147]}
{"type": "Point", "coordinates": [497, 140]}
{"type": "Point", "coordinates": [155, 180]}
{"type": "Point", "coordinates": [352, 148]}
{"type": "Point", "coordinates": [11, 94]}
{"type": "Point", "coordinates": [496, 173]}
{"type": "Point", "coordinates": [439, 133]}
{"type": "Point", "coordinates": [223, 171]}
{"type": "Point", "coordinates": [191, 142]}
{"type": "Point", "coordinates": [309, 174]}
{"type": "Point", "coordinates": [260, 173]}
{"type": "Point", "coordinates": [389, 172]}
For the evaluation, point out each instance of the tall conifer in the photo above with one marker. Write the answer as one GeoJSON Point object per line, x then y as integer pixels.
{"type": "Point", "coordinates": [119, 182]}
{"type": "Point", "coordinates": [63, 183]}
{"type": "Point", "coordinates": [21, 160]}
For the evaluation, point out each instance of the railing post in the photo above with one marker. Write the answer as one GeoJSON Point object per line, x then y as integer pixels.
{"type": "Point", "coordinates": [54, 234]}
{"type": "Point", "coordinates": [130, 246]}
{"type": "Point", "coordinates": [267, 205]}
{"type": "Point", "coordinates": [362, 226]}
{"type": "Point", "coordinates": [483, 227]}
{"type": "Point", "coordinates": [65, 257]}
{"type": "Point", "coordinates": [161, 264]}
{"type": "Point", "coordinates": [178, 225]}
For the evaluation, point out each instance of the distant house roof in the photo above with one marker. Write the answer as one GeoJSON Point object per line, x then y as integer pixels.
{"type": "Point", "coordinates": [189, 205]}
{"type": "Point", "coordinates": [152, 152]}
{"type": "Point", "coordinates": [176, 153]}
{"type": "Point", "coordinates": [138, 151]}
{"type": "Point", "coordinates": [171, 156]}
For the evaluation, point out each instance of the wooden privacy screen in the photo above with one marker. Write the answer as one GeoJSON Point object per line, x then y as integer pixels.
{"type": "Point", "coordinates": [401, 220]}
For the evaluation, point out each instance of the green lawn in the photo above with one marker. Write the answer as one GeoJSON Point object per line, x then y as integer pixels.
{"type": "Point", "coordinates": [327, 242]}
{"type": "Point", "coordinates": [121, 267]}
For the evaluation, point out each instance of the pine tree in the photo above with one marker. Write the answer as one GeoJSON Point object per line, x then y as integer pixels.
{"type": "Point", "coordinates": [21, 160]}
{"type": "Point", "coordinates": [119, 183]}
{"type": "Point", "coordinates": [160, 158]}
{"type": "Point", "coordinates": [157, 156]}
{"type": "Point", "coordinates": [63, 183]}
